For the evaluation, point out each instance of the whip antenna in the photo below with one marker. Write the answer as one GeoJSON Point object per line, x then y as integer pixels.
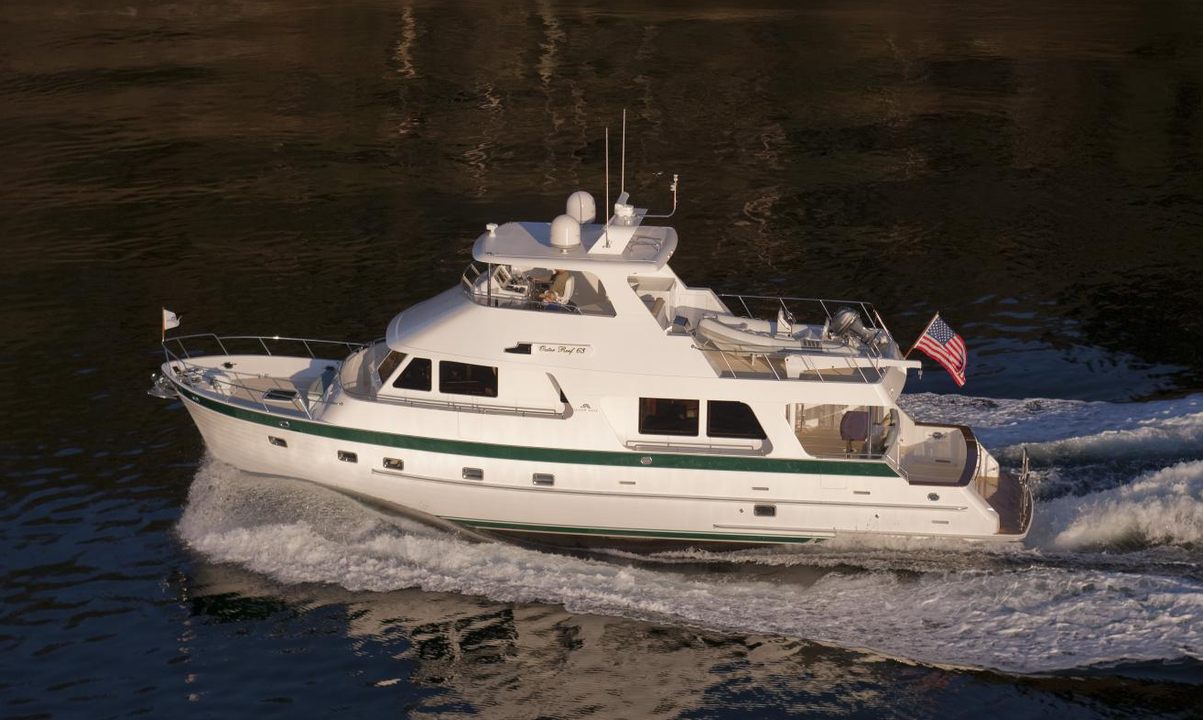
{"type": "Point", "coordinates": [623, 183]}
{"type": "Point", "coordinates": [606, 230]}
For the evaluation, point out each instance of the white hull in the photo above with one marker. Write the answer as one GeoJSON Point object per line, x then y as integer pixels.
{"type": "Point", "coordinates": [594, 504]}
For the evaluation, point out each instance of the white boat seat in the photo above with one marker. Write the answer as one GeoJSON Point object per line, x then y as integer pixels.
{"type": "Point", "coordinates": [562, 285]}
{"type": "Point", "coordinates": [659, 312]}
{"type": "Point", "coordinates": [559, 292]}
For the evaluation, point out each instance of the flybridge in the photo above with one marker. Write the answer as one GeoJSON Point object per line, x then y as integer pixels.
{"type": "Point", "coordinates": [573, 240]}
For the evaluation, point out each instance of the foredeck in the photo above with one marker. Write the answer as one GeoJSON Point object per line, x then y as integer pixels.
{"type": "Point", "coordinates": [291, 380]}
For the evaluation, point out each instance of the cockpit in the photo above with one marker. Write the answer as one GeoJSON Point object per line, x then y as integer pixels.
{"type": "Point", "coordinates": [543, 289]}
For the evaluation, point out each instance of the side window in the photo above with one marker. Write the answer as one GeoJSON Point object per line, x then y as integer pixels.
{"type": "Point", "coordinates": [390, 363]}
{"type": "Point", "coordinates": [415, 376]}
{"type": "Point", "coordinates": [464, 379]}
{"type": "Point", "coordinates": [663, 416]}
{"type": "Point", "coordinates": [729, 419]}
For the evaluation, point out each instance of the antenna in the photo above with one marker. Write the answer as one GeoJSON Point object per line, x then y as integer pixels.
{"type": "Point", "coordinates": [673, 188]}
{"type": "Point", "coordinates": [623, 183]}
{"type": "Point", "coordinates": [606, 230]}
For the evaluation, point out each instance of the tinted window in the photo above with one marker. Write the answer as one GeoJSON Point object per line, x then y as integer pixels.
{"type": "Point", "coordinates": [465, 379]}
{"type": "Point", "coordinates": [415, 376]}
{"type": "Point", "coordinates": [732, 420]}
{"type": "Point", "coordinates": [391, 362]}
{"type": "Point", "coordinates": [662, 416]}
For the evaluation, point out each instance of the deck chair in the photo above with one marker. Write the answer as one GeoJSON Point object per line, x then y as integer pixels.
{"type": "Point", "coordinates": [854, 427]}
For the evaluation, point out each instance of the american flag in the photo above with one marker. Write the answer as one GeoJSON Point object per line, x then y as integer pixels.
{"type": "Point", "coordinates": [941, 343]}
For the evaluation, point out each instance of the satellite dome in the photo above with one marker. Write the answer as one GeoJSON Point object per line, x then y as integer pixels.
{"type": "Point", "coordinates": [581, 207]}
{"type": "Point", "coordinates": [565, 232]}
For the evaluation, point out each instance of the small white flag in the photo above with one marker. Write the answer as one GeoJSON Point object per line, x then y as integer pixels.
{"type": "Point", "coordinates": [170, 320]}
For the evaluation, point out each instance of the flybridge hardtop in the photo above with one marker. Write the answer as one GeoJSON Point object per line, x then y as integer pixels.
{"type": "Point", "coordinates": [573, 390]}
{"type": "Point", "coordinates": [574, 241]}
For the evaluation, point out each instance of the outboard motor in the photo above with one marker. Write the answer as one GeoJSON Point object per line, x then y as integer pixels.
{"type": "Point", "coordinates": [846, 323]}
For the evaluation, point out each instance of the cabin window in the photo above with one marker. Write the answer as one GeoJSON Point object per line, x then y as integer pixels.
{"type": "Point", "coordinates": [415, 376]}
{"type": "Point", "coordinates": [729, 419]}
{"type": "Point", "coordinates": [463, 379]}
{"type": "Point", "coordinates": [391, 362]}
{"type": "Point", "coordinates": [666, 416]}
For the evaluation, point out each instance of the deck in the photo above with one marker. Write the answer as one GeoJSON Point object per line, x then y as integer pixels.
{"type": "Point", "coordinates": [1009, 498]}
{"type": "Point", "coordinates": [732, 364]}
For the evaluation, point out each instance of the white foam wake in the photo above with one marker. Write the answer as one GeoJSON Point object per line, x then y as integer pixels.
{"type": "Point", "coordinates": [1072, 430]}
{"type": "Point", "coordinates": [1028, 620]}
{"type": "Point", "coordinates": [1162, 507]}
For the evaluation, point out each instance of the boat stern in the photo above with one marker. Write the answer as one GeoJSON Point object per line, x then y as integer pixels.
{"type": "Point", "coordinates": [1009, 493]}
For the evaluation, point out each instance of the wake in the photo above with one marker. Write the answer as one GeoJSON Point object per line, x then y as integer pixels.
{"type": "Point", "coordinates": [1110, 574]}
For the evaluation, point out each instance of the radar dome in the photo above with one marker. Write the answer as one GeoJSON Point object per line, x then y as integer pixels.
{"type": "Point", "coordinates": [581, 207]}
{"type": "Point", "coordinates": [565, 232]}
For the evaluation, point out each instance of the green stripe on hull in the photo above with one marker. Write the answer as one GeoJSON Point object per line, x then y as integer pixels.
{"type": "Point", "coordinates": [624, 533]}
{"type": "Point", "coordinates": [544, 454]}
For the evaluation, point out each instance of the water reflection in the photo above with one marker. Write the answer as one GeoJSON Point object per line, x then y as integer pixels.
{"type": "Point", "coordinates": [501, 660]}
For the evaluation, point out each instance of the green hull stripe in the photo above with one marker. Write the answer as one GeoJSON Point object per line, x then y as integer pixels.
{"type": "Point", "coordinates": [544, 454]}
{"type": "Point", "coordinates": [617, 532]}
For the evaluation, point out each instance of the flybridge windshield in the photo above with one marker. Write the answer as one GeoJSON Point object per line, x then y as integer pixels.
{"type": "Point", "coordinates": [541, 289]}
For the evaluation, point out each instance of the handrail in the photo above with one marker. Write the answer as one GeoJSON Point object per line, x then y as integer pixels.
{"type": "Point", "coordinates": [524, 304]}
{"type": "Point", "coordinates": [761, 447]}
{"type": "Point", "coordinates": [895, 460]}
{"type": "Point", "coordinates": [190, 373]}
{"type": "Point", "coordinates": [262, 339]}
{"type": "Point", "coordinates": [792, 298]}
{"type": "Point", "coordinates": [479, 408]}
{"type": "Point", "coordinates": [867, 313]}
{"type": "Point", "coordinates": [1026, 500]}
{"type": "Point", "coordinates": [850, 363]}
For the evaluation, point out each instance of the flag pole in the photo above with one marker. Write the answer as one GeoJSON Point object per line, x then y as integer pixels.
{"type": "Point", "coordinates": [925, 329]}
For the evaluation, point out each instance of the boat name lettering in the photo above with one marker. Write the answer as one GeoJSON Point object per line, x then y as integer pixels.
{"type": "Point", "coordinates": [562, 349]}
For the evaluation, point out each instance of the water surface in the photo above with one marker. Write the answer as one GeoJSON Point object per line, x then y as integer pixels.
{"type": "Point", "coordinates": [312, 168]}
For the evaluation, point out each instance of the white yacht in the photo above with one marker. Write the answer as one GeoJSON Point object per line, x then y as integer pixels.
{"type": "Point", "coordinates": [572, 390]}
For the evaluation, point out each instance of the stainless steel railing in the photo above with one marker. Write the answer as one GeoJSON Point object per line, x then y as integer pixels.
{"type": "Point", "coordinates": [852, 371]}
{"type": "Point", "coordinates": [791, 305]}
{"type": "Point", "coordinates": [236, 385]}
{"type": "Point", "coordinates": [262, 340]}
{"type": "Point", "coordinates": [753, 306]}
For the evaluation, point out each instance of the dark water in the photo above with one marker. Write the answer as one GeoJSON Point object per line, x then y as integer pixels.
{"type": "Point", "coordinates": [1032, 170]}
